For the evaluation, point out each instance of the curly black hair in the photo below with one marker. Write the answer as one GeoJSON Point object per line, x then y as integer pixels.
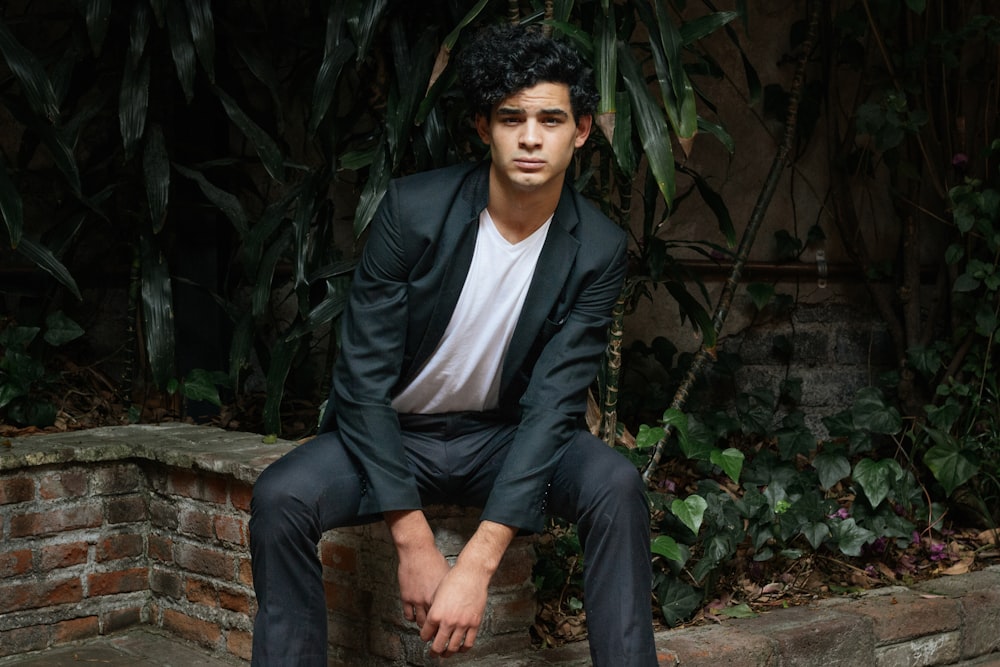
{"type": "Point", "coordinates": [506, 58]}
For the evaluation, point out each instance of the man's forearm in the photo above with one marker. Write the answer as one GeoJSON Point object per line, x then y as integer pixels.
{"type": "Point", "coordinates": [409, 529]}
{"type": "Point", "coordinates": [486, 547]}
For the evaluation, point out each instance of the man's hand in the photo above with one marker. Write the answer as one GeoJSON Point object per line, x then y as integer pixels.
{"type": "Point", "coordinates": [457, 610]}
{"type": "Point", "coordinates": [421, 565]}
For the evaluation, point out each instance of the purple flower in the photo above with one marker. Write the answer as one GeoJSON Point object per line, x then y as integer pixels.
{"type": "Point", "coordinates": [841, 513]}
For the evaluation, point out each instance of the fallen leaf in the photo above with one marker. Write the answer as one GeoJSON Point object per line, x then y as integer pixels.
{"type": "Point", "coordinates": [961, 567]}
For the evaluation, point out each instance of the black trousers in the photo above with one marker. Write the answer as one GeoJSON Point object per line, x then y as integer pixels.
{"type": "Point", "coordinates": [455, 458]}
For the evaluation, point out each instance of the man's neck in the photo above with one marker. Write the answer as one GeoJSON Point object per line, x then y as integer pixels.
{"type": "Point", "coordinates": [517, 214]}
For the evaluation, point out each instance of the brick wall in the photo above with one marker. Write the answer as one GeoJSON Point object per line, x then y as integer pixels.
{"type": "Point", "coordinates": [153, 536]}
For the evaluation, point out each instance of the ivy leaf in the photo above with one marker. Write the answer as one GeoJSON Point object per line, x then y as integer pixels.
{"type": "Point", "coordinates": [951, 465]}
{"type": "Point", "coordinates": [850, 537]}
{"type": "Point", "coordinates": [60, 329]}
{"type": "Point", "coordinates": [678, 600]}
{"type": "Point", "coordinates": [816, 533]}
{"type": "Point", "coordinates": [202, 385]}
{"type": "Point", "coordinates": [666, 546]}
{"type": "Point", "coordinates": [730, 460]}
{"type": "Point", "coordinates": [761, 294]}
{"type": "Point", "coordinates": [871, 413]}
{"type": "Point", "coordinates": [831, 468]}
{"type": "Point", "coordinates": [876, 478]}
{"type": "Point", "coordinates": [672, 417]}
{"type": "Point", "coordinates": [690, 511]}
{"type": "Point", "coordinates": [648, 436]}
{"type": "Point", "coordinates": [739, 611]}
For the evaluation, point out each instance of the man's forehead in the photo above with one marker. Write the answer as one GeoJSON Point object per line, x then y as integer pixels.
{"type": "Point", "coordinates": [544, 95]}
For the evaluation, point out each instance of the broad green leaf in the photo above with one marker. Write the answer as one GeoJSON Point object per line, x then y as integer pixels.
{"type": "Point", "coordinates": [952, 466]}
{"type": "Point", "coordinates": [28, 70]}
{"type": "Point", "coordinates": [59, 141]}
{"type": "Point", "coordinates": [666, 546]}
{"type": "Point", "coordinates": [850, 537]}
{"type": "Point", "coordinates": [226, 202]}
{"type": "Point", "coordinates": [45, 260]}
{"type": "Point", "coordinates": [761, 294]}
{"type": "Point", "coordinates": [371, 196]}
{"type": "Point", "coordinates": [606, 64]}
{"type": "Point", "coordinates": [876, 478]}
{"type": "Point", "coordinates": [650, 124]}
{"type": "Point", "coordinates": [648, 436]}
{"type": "Point", "coordinates": [831, 468]}
{"type": "Point", "coordinates": [17, 337]}
{"type": "Point", "coordinates": [703, 26]}
{"type": "Point", "coordinates": [202, 385]}
{"type": "Point", "coordinates": [871, 413]}
{"type": "Point", "coordinates": [326, 83]}
{"type": "Point", "coordinates": [742, 610]}
{"type": "Point", "coordinates": [816, 533]}
{"type": "Point", "coordinates": [719, 133]}
{"type": "Point", "coordinates": [97, 14]}
{"type": "Point", "coordinates": [156, 173]}
{"type": "Point", "coordinates": [11, 205]}
{"type": "Point", "coordinates": [182, 47]}
{"type": "Point", "coordinates": [265, 271]}
{"type": "Point", "coordinates": [717, 205]}
{"type": "Point", "coordinates": [965, 282]}
{"type": "Point", "coordinates": [159, 11]}
{"type": "Point", "coordinates": [304, 212]}
{"type": "Point", "coordinates": [157, 310]}
{"type": "Point", "coordinates": [282, 355]}
{"type": "Point", "coordinates": [691, 511]}
{"type": "Point", "coordinates": [363, 21]}
{"type": "Point", "coordinates": [693, 310]}
{"type": "Point", "coordinates": [60, 329]}
{"type": "Point", "coordinates": [413, 70]}
{"type": "Point", "coordinates": [203, 33]}
{"type": "Point", "coordinates": [730, 460]}
{"type": "Point", "coordinates": [270, 220]}
{"type": "Point", "coordinates": [133, 103]}
{"type": "Point", "coordinates": [267, 149]}
{"type": "Point", "coordinates": [675, 86]}
{"type": "Point", "coordinates": [678, 600]}
{"type": "Point", "coordinates": [261, 65]}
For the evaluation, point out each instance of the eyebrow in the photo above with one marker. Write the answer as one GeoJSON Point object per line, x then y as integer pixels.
{"type": "Point", "coordinates": [518, 111]}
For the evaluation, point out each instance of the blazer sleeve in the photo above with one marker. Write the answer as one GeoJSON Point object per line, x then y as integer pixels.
{"type": "Point", "coordinates": [369, 365]}
{"type": "Point", "coordinates": [554, 402]}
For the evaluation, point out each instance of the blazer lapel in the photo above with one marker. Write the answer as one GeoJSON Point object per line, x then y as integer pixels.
{"type": "Point", "coordinates": [553, 267]}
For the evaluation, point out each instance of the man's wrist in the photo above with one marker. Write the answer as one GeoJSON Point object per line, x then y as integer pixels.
{"type": "Point", "coordinates": [409, 529]}
{"type": "Point", "coordinates": [487, 546]}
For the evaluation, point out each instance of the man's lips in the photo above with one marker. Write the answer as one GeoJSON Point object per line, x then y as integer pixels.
{"type": "Point", "coordinates": [530, 164]}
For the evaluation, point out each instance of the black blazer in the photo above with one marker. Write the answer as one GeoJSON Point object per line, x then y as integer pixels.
{"type": "Point", "coordinates": [407, 283]}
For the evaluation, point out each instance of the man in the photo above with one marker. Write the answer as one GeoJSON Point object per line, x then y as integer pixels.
{"type": "Point", "coordinates": [476, 322]}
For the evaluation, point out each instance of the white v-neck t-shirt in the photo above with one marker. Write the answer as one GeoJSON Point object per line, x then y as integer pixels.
{"type": "Point", "coordinates": [463, 373]}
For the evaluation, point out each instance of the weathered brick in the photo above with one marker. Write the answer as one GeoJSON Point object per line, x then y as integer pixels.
{"type": "Point", "coordinates": [201, 592]}
{"type": "Point", "coordinates": [116, 547]}
{"type": "Point", "coordinates": [76, 628]}
{"type": "Point", "coordinates": [16, 490]}
{"type": "Point", "coordinates": [36, 594]}
{"type": "Point", "coordinates": [192, 629]}
{"type": "Point", "coordinates": [55, 521]}
{"type": "Point", "coordinates": [237, 601]}
{"type": "Point", "coordinates": [204, 561]}
{"type": "Point", "coordinates": [116, 479]}
{"type": "Point", "coordinates": [161, 548]}
{"type": "Point", "coordinates": [162, 514]}
{"type": "Point", "coordinates": [55, 556]}
{"type": "Point", "coordinates": [14, 563]}
{"type": "Point", "coordinates": [344, 599]}
{"type": "Point", "coordinates": [164, 582]}
{"type": "Point", "coordinates": [119, 619]}
{"type": "Point", "coordinates": [195, 522]}
{"type": "Point", "coordinates": [209, 488]}
{"type": "Point", "coordinates": [338, 556]}
{"type": "Point", "coordinates": [22, 640]}
{"type": "Point", "coordinates": [245, 575]}
{"type": "Point", "coordinates": [230, 529]}
{"type": "Point", "coordinates": [123, 581]}
{"type": "Point", "coordinates": [62, 484]}
{"type": "Point", "coordinates": [126, 509]}
{"type": "Point", "coordinates": [239, 643]}
{"type": "Point", "coordinates": [240, 494]}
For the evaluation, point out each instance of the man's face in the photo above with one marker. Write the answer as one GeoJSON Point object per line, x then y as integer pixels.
{"type": "Point", "coordinates": [532, 135]}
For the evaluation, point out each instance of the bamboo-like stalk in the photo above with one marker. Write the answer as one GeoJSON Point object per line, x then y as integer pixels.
{"type": "Point", "coordinates": [749, 234]}
{"type": "Point", "coordinates": [513, 12]}
{"type": "Point", "coordinates": [613, 366]}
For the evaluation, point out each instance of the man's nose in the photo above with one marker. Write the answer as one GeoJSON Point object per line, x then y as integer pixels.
{"type": "Point", "coordinates": [531, 137]}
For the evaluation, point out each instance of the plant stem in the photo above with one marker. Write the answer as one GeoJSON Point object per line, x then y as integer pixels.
{"type": "Point", "coordinates": [749, 234]}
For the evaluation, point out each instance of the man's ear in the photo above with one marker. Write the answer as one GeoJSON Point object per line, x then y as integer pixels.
{"type": "Point", "coordinates": [483, 128]}
{"type": "Point", "coordinates": [583, 127]}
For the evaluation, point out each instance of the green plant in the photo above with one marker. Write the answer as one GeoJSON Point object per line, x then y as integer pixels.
{"type": "Point", "coordinates": [23, 372]}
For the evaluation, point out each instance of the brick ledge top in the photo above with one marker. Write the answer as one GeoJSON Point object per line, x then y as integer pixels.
{"type": "Point", "coordinates": [242, 455]}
